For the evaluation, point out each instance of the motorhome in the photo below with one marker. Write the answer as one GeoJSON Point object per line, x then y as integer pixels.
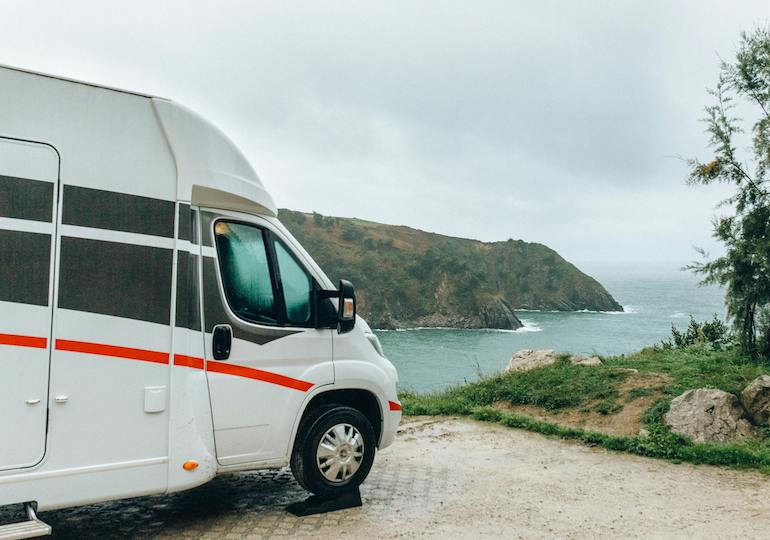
{"type": "Point", "coordinates": [159, 326]}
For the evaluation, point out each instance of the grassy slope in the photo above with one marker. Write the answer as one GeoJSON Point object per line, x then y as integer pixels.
{"type": "Point", "coordinates": [404, 274]}
{"type": "Point", "coordinates": [563, 386]}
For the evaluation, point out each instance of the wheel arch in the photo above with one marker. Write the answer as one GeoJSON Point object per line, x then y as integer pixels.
{"type": "Point", "coordinates": [360, 399]}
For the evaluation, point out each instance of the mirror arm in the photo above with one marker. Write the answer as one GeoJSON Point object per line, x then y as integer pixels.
{"type": "Point", "coordinates": [319, 296]}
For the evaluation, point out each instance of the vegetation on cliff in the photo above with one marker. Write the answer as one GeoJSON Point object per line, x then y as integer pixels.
{"type": "Point", "coordinates": [406, 277]}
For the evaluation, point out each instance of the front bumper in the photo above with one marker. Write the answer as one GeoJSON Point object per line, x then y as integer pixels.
{"type": "Point", "coordinates": [390, 422]}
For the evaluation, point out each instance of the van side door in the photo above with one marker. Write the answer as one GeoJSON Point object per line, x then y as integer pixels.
{"type": "Point", "coordinates": [257, 289]}
{"type": "Point", "coordinates": [29, 174]}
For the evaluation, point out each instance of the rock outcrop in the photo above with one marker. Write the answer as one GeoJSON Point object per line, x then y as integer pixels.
{"type": "Point", "coordinates": [498, 314]}
{"type": "Point", "coordinates": [708, 415]}
{"type": "Point", "coordinates": [585, 360]}
{"type": "Point", "coordinates": [527, 359]}
{"type": "Point", "coordinates": [755, 398]}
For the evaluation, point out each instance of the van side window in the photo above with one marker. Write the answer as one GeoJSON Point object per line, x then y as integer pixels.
{"type": "Point", "coordinates": [297, 286]}
{"type": "Point", "coordinates": [243, 261]}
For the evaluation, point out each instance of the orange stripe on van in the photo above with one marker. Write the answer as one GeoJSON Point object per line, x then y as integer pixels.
{"type": "Point", "coordinates": [188, 361]}
{"type": "Point", "coordinates": [24, 341]}
{"type": "Point", "coordinates": [112, 350]}
{"type": "Point", "coordinates": [157, 358]}
{"type": "Point", "coordinates": [259, 375]}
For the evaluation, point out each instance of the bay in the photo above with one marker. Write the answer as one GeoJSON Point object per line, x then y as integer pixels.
{"type": "Point", "coordinates": [435, 358]}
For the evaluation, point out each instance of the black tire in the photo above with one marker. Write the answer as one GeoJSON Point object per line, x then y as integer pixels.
{"type": "Point", "coordinates": [304, 465]}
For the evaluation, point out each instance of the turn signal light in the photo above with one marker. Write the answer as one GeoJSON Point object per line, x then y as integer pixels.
{"type": "Point", "coordinates": [348, 307]}
{"type": "Point", "coordinates": [190, 465]}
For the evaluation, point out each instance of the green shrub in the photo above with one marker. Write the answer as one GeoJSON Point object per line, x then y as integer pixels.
{"type": "Point", "coordinates": [712, 334]}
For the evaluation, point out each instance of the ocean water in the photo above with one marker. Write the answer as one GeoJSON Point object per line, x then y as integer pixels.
{"type": "Point", "coordinates": [653, 299]}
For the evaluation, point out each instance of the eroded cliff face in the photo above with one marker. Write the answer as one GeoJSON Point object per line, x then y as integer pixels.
{"type": "Point", "coordinates": [409, 278]}
{"type": "Point", "coordinates": [497, 314]}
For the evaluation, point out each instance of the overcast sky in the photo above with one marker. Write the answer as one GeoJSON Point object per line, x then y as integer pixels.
{"type": "Point", "coordinates": [553, 122]}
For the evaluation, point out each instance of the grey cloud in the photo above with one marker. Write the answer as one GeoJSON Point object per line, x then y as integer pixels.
{"type": "Point", "coordinates": [548, 121]}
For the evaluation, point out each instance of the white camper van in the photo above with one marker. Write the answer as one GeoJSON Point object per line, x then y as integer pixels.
{"type": "Point", "coordinates": [158, 325]}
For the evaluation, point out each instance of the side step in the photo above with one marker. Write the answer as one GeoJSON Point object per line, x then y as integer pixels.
{"type": "Point", "coordinates": [25, 529]}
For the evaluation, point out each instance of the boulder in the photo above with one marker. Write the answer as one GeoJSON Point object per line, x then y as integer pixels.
{"type": "Point", "coordinates": [527, 359]}
{"type": "Point", "coordinates": [755, 398]}
{"type": "Point", "coordinates": [585, 360]}
{"type": "Point", "coordinates": [708, 415]}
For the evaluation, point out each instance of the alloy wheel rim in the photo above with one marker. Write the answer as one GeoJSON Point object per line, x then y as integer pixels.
{"type": "Point", "coordinates": [340, 453]}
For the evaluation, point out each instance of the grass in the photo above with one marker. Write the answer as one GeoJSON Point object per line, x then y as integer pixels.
{"type": "Point", "coordinates": [694, 368]}
{"type": "Point", "coordinates": [660, 443]}
{"type": "Point", "coordinates": [558, 386]}
{"type": "Point", "coordinates": [608, 406]}
{"type": "Point", "coordinates": [564, 386]}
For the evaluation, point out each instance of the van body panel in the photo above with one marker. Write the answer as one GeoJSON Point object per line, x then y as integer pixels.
{"type": "Point", "coordinates": [108, 140]}
{"type": "Point", "coordinates": [191, 430]}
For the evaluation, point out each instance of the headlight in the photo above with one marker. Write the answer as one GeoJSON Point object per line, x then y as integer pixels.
{"type": "Point", "coordinates": [375, 341]}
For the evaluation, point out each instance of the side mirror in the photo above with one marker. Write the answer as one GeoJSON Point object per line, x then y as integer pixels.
{"type": "Point", "coordinates": [347, 308]}
{"type": "Point", "coordinates": [344, 319]}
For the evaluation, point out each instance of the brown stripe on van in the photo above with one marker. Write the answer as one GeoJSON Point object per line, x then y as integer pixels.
{"type": "Point", "coordinates": [23, 198]}
{"type": "Point", "coordinates": [187, 297]}
{"type": "Point", "coordinates": [115, 211]}
{"type": "Point", "coordinates": [111, 278]}
{"type": "Point", "coordinates": [25, 270]}
{"type": "Point", "coordinates": [215, 312]}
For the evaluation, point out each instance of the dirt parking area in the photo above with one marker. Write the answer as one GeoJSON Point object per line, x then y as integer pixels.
{"type": "Point", "coordinates": [455, 478]}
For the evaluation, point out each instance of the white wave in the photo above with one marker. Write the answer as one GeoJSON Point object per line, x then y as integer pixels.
{"type": "Point", "coordinates": [679, 315]}
{"type": "Point", "coordinates": [529, 326]}
{"type": "Point", "coordinates": [627, 310]}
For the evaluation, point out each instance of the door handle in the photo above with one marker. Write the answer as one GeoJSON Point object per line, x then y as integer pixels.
{"type": "Point", "coordinates": [222, 341]}
{"type": "Point", "coordinates": [34, 401]}
{"type": "Point", "coordinates": [61, 399]}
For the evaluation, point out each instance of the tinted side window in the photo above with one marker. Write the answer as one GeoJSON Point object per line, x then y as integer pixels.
{"type": "Point", "coordinates": [243, 262]}
{"type": "Point", "coordinates": [297, 286]}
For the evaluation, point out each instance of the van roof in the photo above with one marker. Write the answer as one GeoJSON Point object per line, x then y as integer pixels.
{"type": "Point", "coordinates": [78, 81]}
{"type": "Point", "coordinates": [211, 169]}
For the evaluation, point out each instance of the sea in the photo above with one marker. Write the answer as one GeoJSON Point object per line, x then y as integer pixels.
{"type": "Point", "coordinates": [653, 298]}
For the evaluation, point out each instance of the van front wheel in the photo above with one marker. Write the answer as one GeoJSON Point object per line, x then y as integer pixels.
{"type": "Point", "coordinates": [334, 451]}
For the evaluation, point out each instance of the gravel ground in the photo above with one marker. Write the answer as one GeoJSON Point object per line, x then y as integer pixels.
{"type": "Point", "coordinates": [455, 478]}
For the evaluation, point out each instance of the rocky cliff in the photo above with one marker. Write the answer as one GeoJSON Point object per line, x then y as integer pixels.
{"type": "Point", "coordinates": [405, 277]}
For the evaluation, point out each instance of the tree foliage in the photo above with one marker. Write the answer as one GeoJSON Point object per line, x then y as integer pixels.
{"type": "Point", "coordinates": [713, 335]}
{"type": "Point", "coordinates": [744, 269]}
